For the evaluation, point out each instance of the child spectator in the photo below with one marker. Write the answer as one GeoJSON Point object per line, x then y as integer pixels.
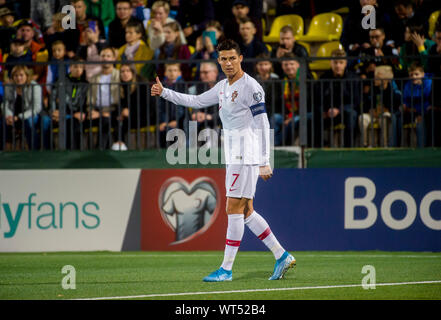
{"type": "Point", "coordinates": [170, 115]}
{"type": "Point", "coordinates": [103, 98]}
{"type": "Point", "coordinates": [205, 47]}
{"type": "Point", "coordinates": [379, 104]}
{"type": "Point", "coordinates": [76, 87]}
{"type": "Point", "coordinates": [417, 99]}
{"type": "Point", "coordinates": [17, 54]}
{"type": "Point", "coordinates": [415, 45]}
{"type": "Point", "coordinates": [92, 49]}
{"type": "Point", "coordinates": [132, 110]}
{"type": "Point", "coordinates": [21, 107]}
{"type": "Point", "coordinates": [69, 37]}
{"type": "Point", "coordinates": [135, 48]}
{"type": "Point", "coordinates": [58, 56]}
{"type": "Point", "coordinates": [173, 48]}
{"type": "Point", "coordinates": [117, 26]}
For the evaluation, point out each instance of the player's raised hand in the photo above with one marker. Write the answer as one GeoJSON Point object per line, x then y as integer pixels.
{"type": "Point", "coordinates": [265, 172]}
{"type": "Point", "coordinates": [157, 88]}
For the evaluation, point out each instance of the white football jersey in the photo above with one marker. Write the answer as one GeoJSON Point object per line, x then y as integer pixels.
{"type": "Point", "coordinates": [243, 115]}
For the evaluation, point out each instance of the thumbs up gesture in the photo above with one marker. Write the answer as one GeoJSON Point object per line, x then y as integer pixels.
{"type": "Point", "coordinates": [157, 88]}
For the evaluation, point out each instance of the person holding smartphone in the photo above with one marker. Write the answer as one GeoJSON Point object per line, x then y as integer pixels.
{"type": "Point", "coordinates": [206, 44]}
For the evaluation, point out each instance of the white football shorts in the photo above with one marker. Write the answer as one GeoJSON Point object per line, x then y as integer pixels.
{"type": "Point", "coordinates": [241, 180]}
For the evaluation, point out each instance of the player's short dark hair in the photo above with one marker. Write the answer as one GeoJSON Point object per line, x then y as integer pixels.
{"type": "Point", "coordinates": [228, 44]}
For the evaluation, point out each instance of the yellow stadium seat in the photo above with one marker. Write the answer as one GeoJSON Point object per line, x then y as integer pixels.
{"type": "Point", "coordinates": [432, 22]}
{"type": "Point", "coordinates": [342, 10]}
{"type": "Point", "coordinates": [293, 20]}
{"type": "Point", "coordinates": [325, 50]}
{"type": "Point", "coordinates": [191, 49]}
{"type": "Point", "coordinates": [324, 27]}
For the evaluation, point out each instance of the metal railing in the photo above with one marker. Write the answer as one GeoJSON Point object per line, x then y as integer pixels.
{"type": "Point", "coordinates": [368, 115]}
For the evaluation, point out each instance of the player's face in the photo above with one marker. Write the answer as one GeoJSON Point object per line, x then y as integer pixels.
{"type": "Point", "coordinates": [230, 61]}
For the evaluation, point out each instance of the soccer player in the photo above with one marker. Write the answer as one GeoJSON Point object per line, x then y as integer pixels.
{"type": "Point", "coordinates": [241, 102]}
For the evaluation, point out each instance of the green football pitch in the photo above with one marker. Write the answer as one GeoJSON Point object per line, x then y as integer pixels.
{"type": "Point", "coordinates": [178, 275]}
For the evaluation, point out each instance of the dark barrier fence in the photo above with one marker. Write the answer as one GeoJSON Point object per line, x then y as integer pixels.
{"type": "Point", "coordinates": [308, 110]}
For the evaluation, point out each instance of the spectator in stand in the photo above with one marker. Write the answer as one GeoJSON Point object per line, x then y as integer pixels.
{"type": "Point", "coordinates": [250, 47]}
{"type": "Point", "coordinates": [341, 98]}
{"type": "Point", "coordinates": [404, 15]}
{"type": "Point", "coordinates": [241, 10]}
{"type": "Point", "coordinates": [207, 117]}
{"type": "Point", "coordinates": [206, 45]}
{"type": "Point", "coordinates": [434, 131]}
{"type": "Point", "coordinates": [140, 11]}
{"type": "Point", "coordinates": [82, 20]}
{"type": "Point", "coordinates": [378, 48]}
{"type": "Point", "coordinates": [415, 45]}
{"type": "Point", "coordinates": [354, 37]}
{"type": "Point", "coordinates": [124, 15]}
{"type": "Point", "coordinates": [265, 76]}
{"type": "Point", "coordinates": [103, 98]}
{"type": "Point", "coordinates": [193, 16]}
{"type": "Point", "coordinates": [17, 55]}
{"type": "Point", "coordinates": [26, 32]}
{"type": "Point", "coordinates": [132, 110]}
{"type": "Point", "coordinates": [287, 43]}
{"type": "Point", "coordinates": [7, 30]}
{"type": "Point", "coordinates": [379, 105]}
{"type": "Point", "coordinates": [170, 115]}
{"type": "Point", "coordinates": [135, 48]}
{"type": "Point", "coordinates": [417, 103]}
{"type": "Point", "coordinates": [58, 56]}
{"type": "Point", "coordinates": [155, 32]}
{"type": "Point", "coordinates": [287, 120]}
{"type": "Point", "coordinates": [102, 9]}
{"type": "Point", "coordinates": [21, 108]}
{"type": "Point", "coordinates": [172, 48]}
{"type": "Point", "coordinates": [91, 50]}
{"type": "Point", "coordinates": [76, 88]}
{"type": "Point", "coordinates": [70, 37]}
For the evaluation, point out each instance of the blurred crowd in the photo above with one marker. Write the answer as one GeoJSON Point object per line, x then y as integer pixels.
{"type": "Point", "coordinates": [387, 78]}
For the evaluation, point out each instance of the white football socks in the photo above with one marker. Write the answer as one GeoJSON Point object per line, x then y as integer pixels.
{"type": "Point", "coordinates": [235, 231]}
{"type": "Point", "coordinates": [261, 229]}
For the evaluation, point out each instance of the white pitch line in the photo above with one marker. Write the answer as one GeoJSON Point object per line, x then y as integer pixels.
{"type": "Point", "coordinates": [171, 255]}
{"type": "Point", "coordinates": [256, 290]}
